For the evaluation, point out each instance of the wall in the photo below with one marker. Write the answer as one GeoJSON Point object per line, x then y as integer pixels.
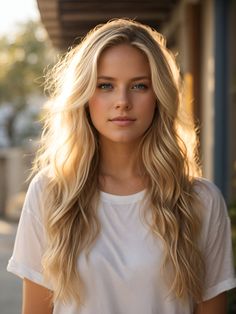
{"type": "Point", "coordinates": [14, 167]}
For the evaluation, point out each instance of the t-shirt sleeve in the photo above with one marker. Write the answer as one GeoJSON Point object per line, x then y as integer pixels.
{"type": "Point", "coordinates": [30, 237]}
{"type": "Point", "coordinates": [216, 243]}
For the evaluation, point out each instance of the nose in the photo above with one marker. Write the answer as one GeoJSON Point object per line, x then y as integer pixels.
{"type": "Point", "coordinates": [123, 101]}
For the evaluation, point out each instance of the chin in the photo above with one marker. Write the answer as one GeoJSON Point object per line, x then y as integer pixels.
{"type": "Point", "coordinates": [125, 140]}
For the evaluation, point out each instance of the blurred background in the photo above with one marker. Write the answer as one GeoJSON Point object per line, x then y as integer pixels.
{"type": "Point", "coordinates": [34, 34]}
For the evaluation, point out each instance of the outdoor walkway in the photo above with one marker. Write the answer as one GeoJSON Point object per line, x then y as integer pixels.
{"type": "Point", "coordinates": [10, 285]}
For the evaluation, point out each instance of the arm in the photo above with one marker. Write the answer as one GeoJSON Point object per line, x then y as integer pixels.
{"type": "Point", "coordinates": [36, 299]}
{"type": "Point", "coordinates": [216, 305]}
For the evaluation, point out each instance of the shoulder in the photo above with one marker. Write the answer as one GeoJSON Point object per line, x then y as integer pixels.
{"type": "Point", "coordinates": [34, 199]}
{"type": "Point", "coordinates": [215, 240]}
{"type": "Point", "coordinates": [210, 202]}
{"type": "Point", "coordinates": [206, 188]}
{"type": "Point", "coordinates": [39, 182]}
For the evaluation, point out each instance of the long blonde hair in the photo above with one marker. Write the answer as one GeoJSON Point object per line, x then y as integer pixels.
{"type": "Point", "coordinates": [70, 154]}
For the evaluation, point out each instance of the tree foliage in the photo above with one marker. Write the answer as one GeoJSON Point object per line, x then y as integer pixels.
{"type": "Point", "coordinates": [24, 58]}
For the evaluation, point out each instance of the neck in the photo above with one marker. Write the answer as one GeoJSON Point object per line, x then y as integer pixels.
{"type": "Point", "coordinates": [120, 172]}
{"type": "Point", "coordinates": [119, 159]}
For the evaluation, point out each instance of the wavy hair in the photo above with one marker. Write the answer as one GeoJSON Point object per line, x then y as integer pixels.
{"type": "Point", "coordinates": [70, 154]}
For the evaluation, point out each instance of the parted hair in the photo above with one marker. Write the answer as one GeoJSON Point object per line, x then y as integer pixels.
{"type": "Point", "coordinates": [69, 153]}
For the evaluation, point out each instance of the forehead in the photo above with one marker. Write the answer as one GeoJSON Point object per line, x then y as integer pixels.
{"type": "Point", "coordinates": [123, 58]}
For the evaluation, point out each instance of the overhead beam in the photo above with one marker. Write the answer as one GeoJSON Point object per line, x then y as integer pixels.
{"type": "Point", "coordinates": [66, 20]}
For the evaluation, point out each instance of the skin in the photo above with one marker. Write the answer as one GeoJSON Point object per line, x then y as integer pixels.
{"type": "Point", "coordinates": [118, 93]}
{"type": "Point", "coordinates": [36, 299]}
{"type": "Point", "coordinates": [124, 88]}
{"type": "Point", "coordinates": [216, 305]}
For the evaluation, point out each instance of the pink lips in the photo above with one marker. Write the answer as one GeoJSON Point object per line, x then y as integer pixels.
{"type": "Point", "coordinates": [122, 121]}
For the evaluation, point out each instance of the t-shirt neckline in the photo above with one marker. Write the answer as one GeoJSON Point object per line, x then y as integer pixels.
{"type": "Point", "coordinates": [122, 199]}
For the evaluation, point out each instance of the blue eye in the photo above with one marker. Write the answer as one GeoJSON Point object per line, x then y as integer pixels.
{"type": "Point", "coordinates": [139, 86]}
{"type": "Point", "coordinates": [105, 86]}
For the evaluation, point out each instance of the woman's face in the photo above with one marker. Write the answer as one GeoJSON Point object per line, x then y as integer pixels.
{"type": "Point", "coordinates": [123, 104]}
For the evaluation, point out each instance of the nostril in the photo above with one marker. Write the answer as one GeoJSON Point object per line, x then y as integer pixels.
{"type": "Point", "coordinates": [123, 105]}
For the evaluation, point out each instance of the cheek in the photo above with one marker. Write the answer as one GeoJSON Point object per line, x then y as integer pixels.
{"type": "Point", "coordinates": [94, 105]}
{"type": "Point", "coordinates": [149, 115]}
{"type": "Point", "coordinates": [97, 104]}
{"type": "Point", "coordinates": [147, 108]}
{"type": "Point", "coordinates": [94, 113]}
{"type": "Point", "coordinates": [96, 110]}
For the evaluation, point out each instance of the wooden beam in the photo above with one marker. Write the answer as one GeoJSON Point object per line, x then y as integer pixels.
{"type": "Point", "coordinates": [70, 19]}
{"type": "Point", "coordinates": [73, 17]}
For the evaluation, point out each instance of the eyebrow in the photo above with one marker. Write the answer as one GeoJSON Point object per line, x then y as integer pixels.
{"type": "Point", "coordinates": [137, 78]}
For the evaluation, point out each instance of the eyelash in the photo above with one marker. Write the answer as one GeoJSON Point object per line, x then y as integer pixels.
{"type": "Point", "coordinates": [143, 86]}
{"type": "Point", "coordinates": [104, 86]}
{"type": "Point", "coordinates": [108, 86]}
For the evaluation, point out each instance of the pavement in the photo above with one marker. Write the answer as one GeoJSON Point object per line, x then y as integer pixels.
{"type": "Point", "coordinates": [10, 285]}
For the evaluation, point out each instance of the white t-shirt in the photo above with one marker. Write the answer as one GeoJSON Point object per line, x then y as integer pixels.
{"type": "Point", "coordinates": [123, 273]}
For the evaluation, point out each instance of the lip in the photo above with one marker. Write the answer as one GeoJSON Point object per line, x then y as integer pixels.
{"type": "Point", "coordinates": [122, 118]}
{"type": "Point", "coordinates": [122, 121]}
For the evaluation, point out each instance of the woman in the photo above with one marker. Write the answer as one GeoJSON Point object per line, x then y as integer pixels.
{"type": "Point", "coordinates": [117, 219]}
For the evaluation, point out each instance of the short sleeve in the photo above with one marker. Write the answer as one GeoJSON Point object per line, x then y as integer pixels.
{"type": "Point", "coordinates": [216, 242]}
{"type": "Point", "coordinates": [30, 238]}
